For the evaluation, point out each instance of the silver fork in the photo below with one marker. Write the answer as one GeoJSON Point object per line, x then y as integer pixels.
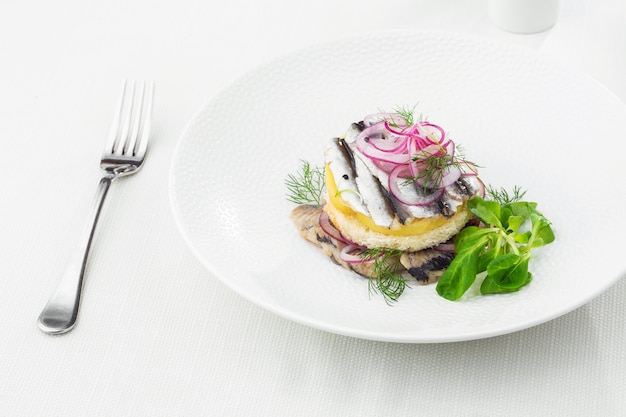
{"type": "Point", "coordinates": [123, 154]}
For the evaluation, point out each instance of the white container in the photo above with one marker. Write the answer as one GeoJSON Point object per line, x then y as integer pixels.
{"type": "Point", "coordinates": [524, 16]}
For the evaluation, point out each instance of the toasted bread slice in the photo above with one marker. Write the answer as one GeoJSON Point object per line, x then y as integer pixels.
{"type": "Point", "coordinates": [356, 231]}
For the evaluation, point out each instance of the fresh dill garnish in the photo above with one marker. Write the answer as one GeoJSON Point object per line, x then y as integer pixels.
{"type": "Point", "coordinates": [407, 114]}
{"type": "Point", "coordinates": [306, 186]}
{"type": "Point", "coordinates": [433, 166]}
{"type": "Point", "coordinates": [385, 277]}
{"type": "Point", "coordinates": [502, 196]}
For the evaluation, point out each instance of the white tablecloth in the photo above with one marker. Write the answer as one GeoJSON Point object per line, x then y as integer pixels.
{"type": "Point", "coordinates": [158, 335]}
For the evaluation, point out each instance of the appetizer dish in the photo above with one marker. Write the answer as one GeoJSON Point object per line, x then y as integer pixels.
{"type": "Point", "coordinates": [396, 201]}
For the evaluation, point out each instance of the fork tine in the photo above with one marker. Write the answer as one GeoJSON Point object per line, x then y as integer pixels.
{"type": "Point", "coordinates": [137, 116]}
{"type": "Point", "coordinates": [142, 145]}
{"type": "Point", "coordinates": [120, 144]}
{"type": "Point", "coordinates": [117, 120]}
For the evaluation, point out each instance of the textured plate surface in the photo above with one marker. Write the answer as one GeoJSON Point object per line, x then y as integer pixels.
{"type": "Point", "coordinates": [526, 120]}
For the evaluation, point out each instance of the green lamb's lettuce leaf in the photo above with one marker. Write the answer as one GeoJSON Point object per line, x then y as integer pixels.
{"type": "Point", "coordinates": [502, 248]}
{"type": "Point", "coordinates": [461, 273]}
{"type": "Point", "coordinates": [487, 211]}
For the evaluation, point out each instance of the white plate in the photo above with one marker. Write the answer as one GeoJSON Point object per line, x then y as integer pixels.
{"type": "Point", "coordinates": [528, 121]}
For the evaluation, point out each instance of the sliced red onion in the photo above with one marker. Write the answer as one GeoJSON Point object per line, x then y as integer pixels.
{"type": "Point", "coordinates": [432, 128]}
{"type": "Point", "coordinates": [395, 131]}
{"type": "Point", "coordinates": [445, 247]}
{"type": "Point", "coordinates": [348, 255]}
{"type": "Point", "coordinates": [421, 142]}
{"type": "Point", "coordinates": [331, 230]}
{"type": "Point", "coordinates": [395, 144]}
{"type": "Point", "coordinates": [431, 150]}
{"type": "Point", "coordinates": [378, 137]}
{"type": "Point", "coordinates": [376, 154]}
{"type": "Point", "coordinates": [450, 176]}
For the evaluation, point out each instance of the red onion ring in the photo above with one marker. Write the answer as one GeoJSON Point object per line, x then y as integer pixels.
{"type": "Point", "coordinates": [429, 127]}
{"type": "Point", "coordinates": [376, 154]}
{"type": "Point", "coordinates": [347, 255]}
{"type": "Point", "coordinates": [331, 230]}
{"type": "Point", "coordinates": [396, 132]}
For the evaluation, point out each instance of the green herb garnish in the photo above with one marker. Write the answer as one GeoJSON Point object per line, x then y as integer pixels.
{"type": "Point", "coordinates": [502, 196]}
{"type": "Point", "coordinates": [306, 186]}
{"type": "Point", "coordinates": [433, 166]}
{"type": "Point", "coordinates": [502, 249]}
{"type": "Point", "coordinates": [407, 114]}
{"type": "Point", "coordinates": [385, 277]}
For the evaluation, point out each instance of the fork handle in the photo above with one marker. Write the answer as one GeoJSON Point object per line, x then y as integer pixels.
{"type": "Point", "coordinates": [60, 313]}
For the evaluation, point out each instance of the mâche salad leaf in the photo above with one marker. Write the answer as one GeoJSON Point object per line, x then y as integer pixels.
{"type": "Point", "coordinates": [502, 248]}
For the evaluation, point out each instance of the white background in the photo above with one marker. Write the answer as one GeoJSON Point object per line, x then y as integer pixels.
{"type": "Point", "coordinates": [158, 335]}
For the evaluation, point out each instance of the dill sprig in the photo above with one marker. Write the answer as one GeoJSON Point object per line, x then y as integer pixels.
{"type": "Point", "coordinates": [385, 277]}
{"type": "Point", "coordinates": [434, 166]}
{"type": "Point", "coordinates": [408, 117]}
{"type": "Point", "coordinates": [502, 196]}
{"type": "Point", "coordinates": [407, 114]}
{"type": "Point", "coordinates": [306, 186]}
